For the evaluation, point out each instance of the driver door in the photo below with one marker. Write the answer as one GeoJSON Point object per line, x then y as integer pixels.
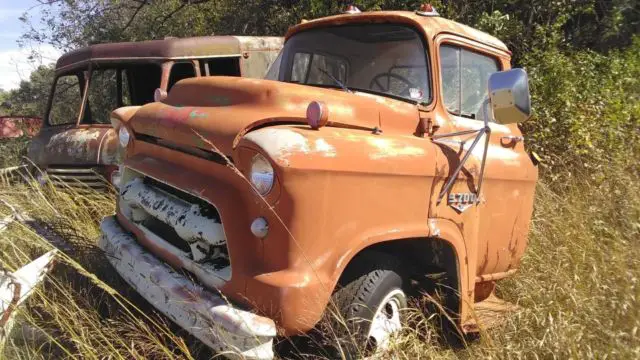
{"type": "Point", "coordinates": [495, 229]}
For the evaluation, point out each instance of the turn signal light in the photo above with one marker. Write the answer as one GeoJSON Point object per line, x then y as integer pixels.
{"type": "Point", "coordinates": [317, 114]}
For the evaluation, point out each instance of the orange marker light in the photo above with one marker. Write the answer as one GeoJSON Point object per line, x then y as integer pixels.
{"type": "Point", "coordinates": [427, 10]}
{"type": "Point", "coordinates": [317, 114]}
{"type": "Point", "coordinates": [351, 9]}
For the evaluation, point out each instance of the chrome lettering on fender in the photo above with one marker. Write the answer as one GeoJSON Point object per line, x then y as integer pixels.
{"type": "Point", "coordinates": [461, 201]}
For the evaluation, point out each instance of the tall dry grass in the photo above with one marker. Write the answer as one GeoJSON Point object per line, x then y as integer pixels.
{"type": "Point", "coordinates": [577, 290]}
{"type": "Point", "coordinates": [578, 287]}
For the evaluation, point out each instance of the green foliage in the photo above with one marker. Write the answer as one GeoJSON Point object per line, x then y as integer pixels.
{"type": "Point", "coordinates": [12, 150]}
{"type": "Point", "coordinates": [582, 60]}
{"type": "Point", "coordinates": [30, 98]}
{"type": "Point", "coordinates": [587, 113]}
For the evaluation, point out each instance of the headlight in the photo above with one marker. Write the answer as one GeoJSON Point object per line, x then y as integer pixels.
{"type": "Point", "coordinates": [124, 136]}
{"type": "Point", "coordinates": [261, 174]}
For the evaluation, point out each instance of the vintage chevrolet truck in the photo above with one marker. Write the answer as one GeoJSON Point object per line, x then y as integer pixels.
{"type": "Point", "coordinates": [77, 146]}
{"type": "Point", "coordinates": [380, 148]}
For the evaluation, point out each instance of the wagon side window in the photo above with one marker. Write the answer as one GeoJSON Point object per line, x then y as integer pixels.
{"type": "Point", "coordinates": [465, 75]}
{"type": "Point", "coordinates": [142, 80]}
{"type": "Point", "coordinates": [181, 71]}
{"type": "Point", "coordinates": [102, 96]}
{"type": "Point", "coordinates": [222, 66]}
{"type": "Point", "coordinates": [66, 100]}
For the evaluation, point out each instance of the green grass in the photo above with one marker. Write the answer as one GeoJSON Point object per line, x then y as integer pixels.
{"type": "Point", "coordinates": [577, 290]}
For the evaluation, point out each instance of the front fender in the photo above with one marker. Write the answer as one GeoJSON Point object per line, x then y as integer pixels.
{"type": "Point", "coordinates": [341, 190]}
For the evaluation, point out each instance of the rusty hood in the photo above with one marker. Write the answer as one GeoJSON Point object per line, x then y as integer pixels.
{"type": "Point", "coordinates": [218, 110]}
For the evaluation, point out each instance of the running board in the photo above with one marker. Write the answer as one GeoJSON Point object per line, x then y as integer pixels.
{"type": "Point", "coordinates": [489, 313]}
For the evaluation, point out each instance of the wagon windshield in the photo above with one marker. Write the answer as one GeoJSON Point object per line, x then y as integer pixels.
{"type": "Point", "coordinates": [384, 59]}
{"type": "Point", "coordinates": [109, 88]}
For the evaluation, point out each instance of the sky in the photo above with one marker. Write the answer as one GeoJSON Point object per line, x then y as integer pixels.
{"type": "Point", "coordinates": [14, 65]}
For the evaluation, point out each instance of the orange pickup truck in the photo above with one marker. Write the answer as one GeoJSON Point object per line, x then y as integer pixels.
{"type": "Point", "coordinates": [380, 148]}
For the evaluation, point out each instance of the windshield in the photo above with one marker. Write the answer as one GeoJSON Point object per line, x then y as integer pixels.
{"type": "Point", "coordinates": [378, 58]}
{"type": "Point", "coordinates": [109, 88]}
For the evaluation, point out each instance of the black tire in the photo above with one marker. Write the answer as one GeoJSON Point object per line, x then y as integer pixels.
{"type": "Point", "coordinates": [365, 283]}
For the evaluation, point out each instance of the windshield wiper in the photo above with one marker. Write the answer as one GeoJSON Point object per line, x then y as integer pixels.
{"type": "Point", "coordinates": [334, 79]}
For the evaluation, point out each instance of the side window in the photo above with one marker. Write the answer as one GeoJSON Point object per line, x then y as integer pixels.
{"type": "Point", "coordinates": [450, 72]}
{"type": "Point", "coordinates": [66, 101]}
{"type": "Point", "coordinates": [224, 66]}
{"type": "Point", "coordinates": [465, 75]}
{"type": "Point", "coordinates": [274, 70]}
{"type": "Point", "coordinates": [181, 71]}
{"type": "Point", "coordinates": [142, 80]}
{"type": "Point", "coordinates": [125, 88]}
{"type": "Point", "coordinates": [102, 97]}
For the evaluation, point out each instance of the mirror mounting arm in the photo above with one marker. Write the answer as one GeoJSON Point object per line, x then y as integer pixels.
{"type": "Point", "coordinates": [485, 130]}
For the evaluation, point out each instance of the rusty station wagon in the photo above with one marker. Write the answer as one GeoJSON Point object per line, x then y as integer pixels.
{"type": "Point", "coordinates": [77, 144]}
{"type": "Point", "coordinates": [381, 148]}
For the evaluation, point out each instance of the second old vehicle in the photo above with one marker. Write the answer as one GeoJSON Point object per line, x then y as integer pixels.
{"type": "Point", "coordinates": [77, 145]}
{"type": "Point", "coordinates": [381, 148]}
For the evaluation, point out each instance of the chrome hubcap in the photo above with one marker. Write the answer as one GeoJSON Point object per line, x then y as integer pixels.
{"type": "Point", "coordinates": [386, 320]}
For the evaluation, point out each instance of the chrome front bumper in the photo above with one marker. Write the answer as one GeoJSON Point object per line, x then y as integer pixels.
{"type": "Point", "coordinates": [206, 315]}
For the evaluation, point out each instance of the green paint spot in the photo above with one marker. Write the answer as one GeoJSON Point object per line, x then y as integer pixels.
{"type": "Point", "coordinates": [194, 114]}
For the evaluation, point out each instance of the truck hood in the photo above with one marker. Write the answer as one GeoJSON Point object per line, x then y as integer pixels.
{"type": "Point", "coordinates": [217, 111]}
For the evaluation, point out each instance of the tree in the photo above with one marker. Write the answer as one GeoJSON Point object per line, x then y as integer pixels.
{"type": "Point", "coordinates": [524, 25]}
{"type": "Point", "coordinates": [30, 98]}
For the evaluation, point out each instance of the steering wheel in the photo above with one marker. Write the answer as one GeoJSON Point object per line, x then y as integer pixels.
{"type": "Point", "coordinates": [386, 79]}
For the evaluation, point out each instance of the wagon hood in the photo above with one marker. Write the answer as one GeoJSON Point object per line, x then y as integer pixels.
{"type": "Point", "coordinates": [219, 110]}
{"type": "Point", "coordinates": [71, 145]}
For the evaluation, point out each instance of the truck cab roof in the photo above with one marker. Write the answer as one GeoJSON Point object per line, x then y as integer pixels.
{"type": "Point", "coordinates": [431, 25]}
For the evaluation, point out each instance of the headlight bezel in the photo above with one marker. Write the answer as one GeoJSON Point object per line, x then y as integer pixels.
{"type": "Point", "coordinates": [261, 174]}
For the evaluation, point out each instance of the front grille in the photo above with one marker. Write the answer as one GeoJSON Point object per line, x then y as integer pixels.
{"type": "Point", "coordinates": [76, 178]}
{"type": "Point", "coordinates": [184, 225]}
{"type": "Point", "coordinates": [197, 152]}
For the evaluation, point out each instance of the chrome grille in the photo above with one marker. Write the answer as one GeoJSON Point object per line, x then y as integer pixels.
{"type": "Point", "coordinates": [181, 224]}
{"type": "Point", "coordinates": [76, 178]}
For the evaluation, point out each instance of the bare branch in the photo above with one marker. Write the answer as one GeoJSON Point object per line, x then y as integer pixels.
{"type": "Point", "coordinates": [135, 13]}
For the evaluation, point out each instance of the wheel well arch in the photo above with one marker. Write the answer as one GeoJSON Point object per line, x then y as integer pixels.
{"type": "Point", "coordinates": [425, 257]}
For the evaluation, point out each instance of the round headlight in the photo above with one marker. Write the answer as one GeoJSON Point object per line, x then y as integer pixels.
{"type": "Point", "coordinates": [124, 136]}
{"type": "Point", "coordinates": [261, 174]}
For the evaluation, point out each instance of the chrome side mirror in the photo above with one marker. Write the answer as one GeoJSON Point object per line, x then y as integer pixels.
{"type": "Point", "coordinates": [509, 96]}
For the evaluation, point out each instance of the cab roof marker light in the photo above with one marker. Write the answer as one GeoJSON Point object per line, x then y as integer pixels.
{"type": "Point", "coordinates": [352, 9]}
{"type": "Point", "coordinates": [427, 10]}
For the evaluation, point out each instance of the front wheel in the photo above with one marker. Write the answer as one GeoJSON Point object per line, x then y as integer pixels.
{"type": "Point", "coordinates": [369, 300]}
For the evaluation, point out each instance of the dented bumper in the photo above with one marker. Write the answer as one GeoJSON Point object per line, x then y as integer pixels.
{"type": "Point", "coordinates": [206, 315]}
